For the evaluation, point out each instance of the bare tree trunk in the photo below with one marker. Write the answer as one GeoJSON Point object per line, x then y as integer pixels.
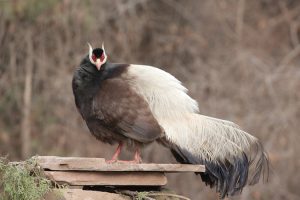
{"type": "Point", "coordinates": [240, 20]}
{"type": "Point", "coordinates": [26, 125]}
{"type": "Point", "coordinates": [239, 31]}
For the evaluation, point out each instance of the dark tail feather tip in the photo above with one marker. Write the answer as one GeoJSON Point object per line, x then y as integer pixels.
{"type": "Point", "coordinates": [229, 177]}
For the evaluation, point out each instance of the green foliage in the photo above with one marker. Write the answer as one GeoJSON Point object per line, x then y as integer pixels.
{"type": "Point", "coordinates": [23, 181]}
{"type": "Point", "coordinates": [142, 195]}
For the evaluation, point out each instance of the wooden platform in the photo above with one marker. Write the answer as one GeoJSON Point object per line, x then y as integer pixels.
{"type": "Point", "coordinates": [99, 164]}
{"type": "Point", "coordinates": [80, 172]}
{"type": "Point", "coordinates": [95, 171]}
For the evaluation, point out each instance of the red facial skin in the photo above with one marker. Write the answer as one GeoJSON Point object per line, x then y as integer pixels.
{"type": "Point", "coordinates": [94, 57]}
{"type": "Point", "coordinates": [102, 57]}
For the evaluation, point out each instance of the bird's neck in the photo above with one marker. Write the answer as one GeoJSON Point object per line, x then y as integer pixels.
{"type": "Point", "coordinates": [89, 78]}
{"type": "Point", "coordinates": [86, 82]}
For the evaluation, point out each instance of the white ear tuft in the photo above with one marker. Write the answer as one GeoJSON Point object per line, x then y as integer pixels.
{"type": "Point", "coordinates": [90, 48]}
{"type": "Point", "coordinates": [90, 52]}
{"type": "Point", "coordinates": [105, 56]}
{"type": "Point", "coordinates": [103, 49]}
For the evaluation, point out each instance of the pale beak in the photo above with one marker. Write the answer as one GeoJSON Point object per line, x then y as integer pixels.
{"type": "Point", "coordinates": [98, 64]}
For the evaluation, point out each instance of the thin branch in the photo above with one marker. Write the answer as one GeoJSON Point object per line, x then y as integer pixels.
{"type": "Point", "coordinates": [169, 195]}
{"type": "Point", "coordinates": [148, 196]}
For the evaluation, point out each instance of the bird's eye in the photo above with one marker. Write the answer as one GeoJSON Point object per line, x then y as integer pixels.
{"type": "Point", "coordinates": [94, 57]}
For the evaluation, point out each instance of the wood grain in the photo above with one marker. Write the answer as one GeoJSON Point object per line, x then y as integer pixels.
{"type": "Point", "coordinates": [108, 178]}
{"type": "Point", "coordinates": [99, 164]}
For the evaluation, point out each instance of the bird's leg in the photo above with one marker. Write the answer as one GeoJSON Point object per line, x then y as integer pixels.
{"type": "Point", "coordinates": [116, 154]}
{"type": "Point", "coordinates": [137, 157]}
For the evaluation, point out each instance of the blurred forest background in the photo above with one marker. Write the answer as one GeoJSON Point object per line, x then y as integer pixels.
{"type": "Point", "coordinates": [239, 59]}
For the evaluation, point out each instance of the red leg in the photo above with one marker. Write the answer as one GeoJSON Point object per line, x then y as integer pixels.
{"type": "Point", "coordinates": [116, 154]}
{"type": "Point", "coordinates": [137, 155]}
{"type": "Point", "coordinates": [137, 158]}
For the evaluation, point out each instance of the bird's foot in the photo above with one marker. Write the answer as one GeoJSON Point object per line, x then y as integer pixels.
{"type": "Point", "coordinates": [135, 161]}
{"type": "Point", "coordinates": [111, 161]}
{"type": "Point", "coordinates": [137, 157]}
{"type": "Point", "coordinates": [116, 155]}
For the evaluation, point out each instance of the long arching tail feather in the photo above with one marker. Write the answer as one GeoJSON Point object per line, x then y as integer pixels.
{"type": "Point", "coordinates": [240, 158]}
{"type": "Point", "coordinates": [232, 157]}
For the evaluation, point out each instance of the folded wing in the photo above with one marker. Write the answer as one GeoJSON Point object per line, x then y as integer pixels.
{"type": "Point", "coordinates": [125, 112]}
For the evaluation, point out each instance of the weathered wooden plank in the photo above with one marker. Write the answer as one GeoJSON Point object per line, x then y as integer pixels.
{"type": "Point", "coordinates": [78, 194]}
{"type": "Point", "coordinates": [69, 163]}
{"type": "Point", "coordinates": [99, 164]}
{"type": "Point", "coordinates": [108, 178]}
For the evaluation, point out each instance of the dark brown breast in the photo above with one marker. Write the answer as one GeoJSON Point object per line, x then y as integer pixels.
{"type": "Point", "coordinates": [111, 109]}
{"type": "Point", "coordinates": [124, 112]}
